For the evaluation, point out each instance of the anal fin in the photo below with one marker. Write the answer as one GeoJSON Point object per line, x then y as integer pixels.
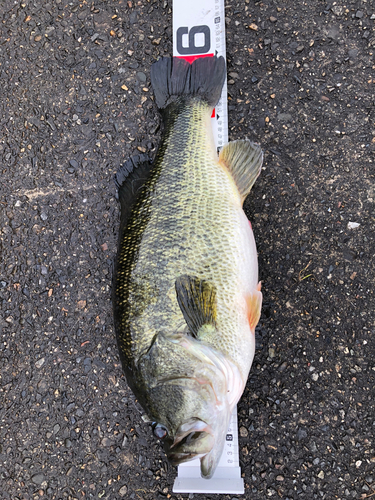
{"type": "Point", "coordinates": [244, 160]}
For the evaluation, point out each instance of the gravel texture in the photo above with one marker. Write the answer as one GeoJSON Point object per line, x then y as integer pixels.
{"type": "Point", "coordinates": [75, 104]}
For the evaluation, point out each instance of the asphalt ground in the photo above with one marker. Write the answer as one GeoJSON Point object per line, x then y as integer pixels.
{"type": "Point", "coordinates": [75, 103]}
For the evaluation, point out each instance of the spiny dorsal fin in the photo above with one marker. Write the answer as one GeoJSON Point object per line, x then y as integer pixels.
{"type": "Point", "coordinates": [244, 160]}
{"type": "Point", "coordinates": [197, 300]}
{"type": "Point", "coordinates": [129, 181]}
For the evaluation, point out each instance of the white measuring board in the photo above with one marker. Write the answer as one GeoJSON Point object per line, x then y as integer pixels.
{"type": "Point", "coordinates": [199, 30]}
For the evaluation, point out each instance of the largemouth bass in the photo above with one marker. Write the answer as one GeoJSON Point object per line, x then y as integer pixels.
{"type": "Point", "coordinates": [186, 292]}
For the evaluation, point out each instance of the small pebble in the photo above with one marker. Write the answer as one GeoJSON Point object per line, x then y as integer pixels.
{"type": "Point", "coordinates": [123, 490]}
{"type": "Point", "coordinates": [141, 76]}
{"type": "Point", "coordinates": [321, 475]}
{"type": "Point", "coordinates": [40, 362]}
{"type": "Point", "coordinates": [74, 163]}
{"type": "Point", "coordinates": [37, 478]}
{"type": "Point", "coordinates": [243, 432]}
{"type": "Point", "coordinates": [353, 225]}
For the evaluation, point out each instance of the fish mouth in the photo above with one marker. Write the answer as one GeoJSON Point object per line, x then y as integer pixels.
{"type": "Point", "coordinates": [194, 439]}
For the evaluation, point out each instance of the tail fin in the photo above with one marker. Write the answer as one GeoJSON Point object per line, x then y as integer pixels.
{"type": "Point", "coordinates": [173, 78]}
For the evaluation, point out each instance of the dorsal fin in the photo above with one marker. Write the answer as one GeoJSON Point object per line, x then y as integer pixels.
{"type": "Point", "coordinates": [129, 180]}
{"type": "Point", "coordinates": [197, 300]}
{"type": "Point", "coordinates": [244, 160]}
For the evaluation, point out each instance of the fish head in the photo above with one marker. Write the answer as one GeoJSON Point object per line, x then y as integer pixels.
{"type": "Point", "coordinates": [196, 423]}
{"type": "Point", "coordinates": [192, 406]}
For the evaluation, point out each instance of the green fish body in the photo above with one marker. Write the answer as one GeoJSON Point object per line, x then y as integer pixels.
{"type": "Point", "coordinates": [186, 292]}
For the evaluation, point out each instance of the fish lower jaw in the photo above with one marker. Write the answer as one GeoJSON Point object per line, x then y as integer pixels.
{"type": "Point", "coordinates": [181, 458]}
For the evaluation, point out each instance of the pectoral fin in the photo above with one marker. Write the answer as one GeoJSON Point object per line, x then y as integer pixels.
{"type": "Point", "coordinates": [254, 305]}
{"type": "Point", "coordinates": [197, 300]}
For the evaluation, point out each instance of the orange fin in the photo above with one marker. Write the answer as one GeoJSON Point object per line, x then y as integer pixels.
{"type": "Point", "coordinates": [254, 305]}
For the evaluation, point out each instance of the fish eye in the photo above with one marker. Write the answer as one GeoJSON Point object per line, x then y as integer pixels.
{"type": "Point", "coordinates": [160, 431]}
